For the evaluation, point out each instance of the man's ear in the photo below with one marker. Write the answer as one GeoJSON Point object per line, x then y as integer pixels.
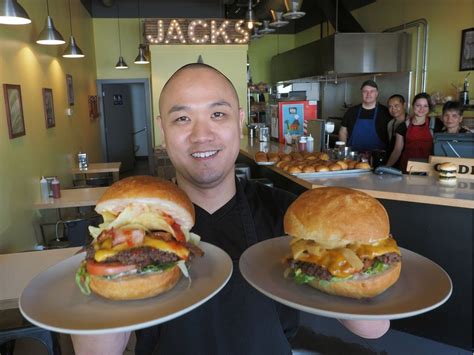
{"type": "Point", "coordinates": [241, 122]}
{"type": "Point", "coordinates": [160, 124]}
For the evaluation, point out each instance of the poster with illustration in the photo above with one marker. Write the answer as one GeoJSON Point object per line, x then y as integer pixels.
{"type": "Point", "coordinates": [291, 119]}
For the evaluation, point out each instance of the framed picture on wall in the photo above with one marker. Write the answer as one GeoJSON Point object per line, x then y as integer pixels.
{"type": "Point", "coordinates": [467, 50]}
{"type": "Point", "coordinates": [93, 109]}
{"type": "Point", "coordinates": [48, 108]}
{"type": "Point", "coordinates": [14, 110]}
{"type": "Point", "coordinates": [70, 90]}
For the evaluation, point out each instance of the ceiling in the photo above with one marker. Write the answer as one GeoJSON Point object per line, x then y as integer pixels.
{"type": "Point", "coordinates": [317, 11]}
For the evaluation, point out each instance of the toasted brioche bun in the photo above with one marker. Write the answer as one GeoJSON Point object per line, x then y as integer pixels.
{"type": "Point", "coordinates": [135, 287]}
{"type": "Point", "coordinates": [362, 165]}
{"type": "Point", "coordinates": [336, 216]}
{"type": "Point", "coordinates": [151, 191]}
{"type": "Point", "coordinates": [447, 167]}
{"type": "Point", "coordinates": [362, 288]}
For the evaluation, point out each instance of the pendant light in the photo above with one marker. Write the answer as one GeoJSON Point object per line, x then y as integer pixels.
{"type": "Point", "coordinates": [141, 57]}
{"type": "Point", "coordinates": [50, 36]}
{"type": "Point", "coordinates": [293, 10]}
{"type": "Point", "coordinates": [121, 62]}
{"type": "Point", "coordinates": [12, 13]}
{"type": "Point", "coordinates": [250, 16]}
{"type": "Point", "coordinates": [72, 50]}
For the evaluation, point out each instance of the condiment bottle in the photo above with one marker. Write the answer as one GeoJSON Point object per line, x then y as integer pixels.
{"type": "Point", "coordinates": [56, 188]}
{"type": "Point", "coordinates": [44, 188]}
{"type": "Point", "coordinates": [302, 144]}
{"type": "Point", "coordinates": [340, 145]}
{"type": "Point", "coordinates": [310, 143]}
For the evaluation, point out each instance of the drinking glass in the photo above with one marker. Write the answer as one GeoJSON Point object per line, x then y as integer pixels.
{"type": "Point", "coordinates": [328, 128]}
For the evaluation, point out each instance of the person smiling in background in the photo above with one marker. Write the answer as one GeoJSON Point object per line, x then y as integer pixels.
{"type": "Point", "coordinates": [414, 139]}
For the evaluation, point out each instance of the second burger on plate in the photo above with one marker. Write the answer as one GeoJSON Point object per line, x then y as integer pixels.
{"type": "Point", "coordinates": [341, 243]}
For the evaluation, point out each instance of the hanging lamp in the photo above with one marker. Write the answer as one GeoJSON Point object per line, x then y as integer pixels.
{"type": "Point", "coordinates": [121, 64]}
{"type": "Point", "coordinates": [12, 13]}
{"type": "Point", "coordinates": [72, 50]}
{"type": "Point", "coordinates": [250, 16]}
{"type": "Point", "coordinates": [50, 36]}
{"type": "Point", "coordinates": [141, 57]}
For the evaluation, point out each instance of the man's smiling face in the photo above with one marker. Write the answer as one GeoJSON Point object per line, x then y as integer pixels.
{"type": "Point", "coordinates": [202, 124]}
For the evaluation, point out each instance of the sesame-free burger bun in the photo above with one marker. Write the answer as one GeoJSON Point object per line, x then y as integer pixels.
{"type": "Point", "coordinates": [336, 216]}
{"type": "Point", "coordinates": [150, 191]}
{"type": "Point", "coordinates": [361, 288]}
{"type": "Point", "coordinates": [448, 167]}
{"type": "Point", "coordinates": [135, 287]}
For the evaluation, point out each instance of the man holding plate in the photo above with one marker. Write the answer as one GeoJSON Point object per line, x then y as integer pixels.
{"type": "Point", "coordinates": [201, 122]}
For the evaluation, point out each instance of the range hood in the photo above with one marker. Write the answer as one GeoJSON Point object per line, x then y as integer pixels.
{"type": "Point", "coordinates": [344, 54]}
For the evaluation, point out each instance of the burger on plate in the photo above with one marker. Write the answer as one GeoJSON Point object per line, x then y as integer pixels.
{"type": "Point", "coordinates": [447, 173]}
{"type": "Point", "coordinates": [144, 244]}
{"type": "Point", "coordinates": [341, 243]}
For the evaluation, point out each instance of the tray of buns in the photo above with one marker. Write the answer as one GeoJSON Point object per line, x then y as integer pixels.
{"type": "Point", "coordinates": [311, 165]}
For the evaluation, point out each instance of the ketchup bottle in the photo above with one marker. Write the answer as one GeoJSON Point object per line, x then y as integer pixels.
{"type": "Point", "coordinates": [55, 186]}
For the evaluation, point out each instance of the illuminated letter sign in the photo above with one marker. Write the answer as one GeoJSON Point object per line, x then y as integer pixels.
{"type": "Point", "coordinates": [196, 31]}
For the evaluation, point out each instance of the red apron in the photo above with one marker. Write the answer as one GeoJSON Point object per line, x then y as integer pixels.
{"type": "Point", "coordinates": [418, 143]}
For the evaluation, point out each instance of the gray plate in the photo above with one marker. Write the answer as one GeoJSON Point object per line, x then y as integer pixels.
{"type": "Point", "coordinates": [53, 301]}
{"type": "Point", "coordinates": [332, 173]}
{"type": "Point", "coordinates": [422, 286]}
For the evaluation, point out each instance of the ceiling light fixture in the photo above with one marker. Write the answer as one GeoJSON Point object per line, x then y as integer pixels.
{"type": "Point", "coordinates": [12, 13]}
{"type": "Point", "coordinates": [50, 36]}
{"type": "Point", "coordinates": [266, 30]}
{"type": "Point", "coordinates": [256, 34]}
{"type": "Point", "coordinates": [72, 50]}
{"type": "Point", "coordinates": [293, 9]}
{"type": "Point", "coordinates": [250, 16]}
{"type": "Point", "coordinates": [121, 64]}
{"type": "Point", "coordinates": [141, 57]}
{"type": "Point", "coordinates": [277, 19]}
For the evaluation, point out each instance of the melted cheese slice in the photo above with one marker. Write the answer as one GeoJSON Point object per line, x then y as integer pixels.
{"type": "Point", "coordinates": [335, 261]}
{"type": "Point", "coordinates": [170, 247]}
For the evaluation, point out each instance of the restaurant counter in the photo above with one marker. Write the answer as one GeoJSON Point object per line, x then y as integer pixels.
{"type": "Point", "coordinates": [425, 217]}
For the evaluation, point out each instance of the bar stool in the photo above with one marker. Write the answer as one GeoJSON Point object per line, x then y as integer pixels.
{"type": "Point", "coordinates": [242, 171]}
{"type": "Point", "coordinates": [263, 181]}
{"type": "Point", "coordinates": [13, 326]}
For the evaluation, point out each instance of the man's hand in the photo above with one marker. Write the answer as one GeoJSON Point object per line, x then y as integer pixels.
{"type": "Point", "coordinates": [343, 134]}
{"type": "Point", "coordinates": [369, 329]}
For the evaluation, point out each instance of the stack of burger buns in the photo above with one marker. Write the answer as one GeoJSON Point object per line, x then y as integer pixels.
{"type": "Point", "coordinates": [297, 163]}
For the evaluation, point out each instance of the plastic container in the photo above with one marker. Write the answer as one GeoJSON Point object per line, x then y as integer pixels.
{"type": "Point", "coordinates": [302, 144]}
{"type": "Point", "coordinates": [44, 188]}
{"type": "Point", "coordinates": [310, 144]}
{"type": "Point", "coordinates": [55, 186]}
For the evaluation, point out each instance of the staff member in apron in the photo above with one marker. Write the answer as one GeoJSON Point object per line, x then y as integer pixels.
{"type": "Point", "coordinates": [201, 123]}
{"type": "Point", "coordinates": [414, 140]}
{"type": "Point", "coordinates": [364, 126]}
{"type": "Point", "coordinates": [397, 109]}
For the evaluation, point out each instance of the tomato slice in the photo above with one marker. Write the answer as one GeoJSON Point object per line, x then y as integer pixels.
{"type": "Point", "coordinates": [103, 269]}
{"type": "Point", "coordinates": [178, 233]}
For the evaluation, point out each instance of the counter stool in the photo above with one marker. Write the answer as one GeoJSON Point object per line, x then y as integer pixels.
{"type": "Point", "coordinates": [264, 181]}
{"type": "Point", "coordinates": [242, 171]}
{"type": "Point", "coordinates": [13, 326]}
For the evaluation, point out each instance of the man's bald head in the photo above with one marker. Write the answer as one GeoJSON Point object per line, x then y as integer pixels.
{"type": "Point", "coordinates": [187, 70]}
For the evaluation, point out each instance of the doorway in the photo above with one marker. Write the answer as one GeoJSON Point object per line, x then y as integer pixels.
{"type": "Point", "coordinates": [127, 125]}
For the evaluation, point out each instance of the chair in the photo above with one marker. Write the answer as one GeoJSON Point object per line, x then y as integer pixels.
{"type": "Point", "coordinates": [263, 181]}
{"type": "Point", "coordinates": [13, 326]}
{"type": "Point", "coordinates": [242, 171]}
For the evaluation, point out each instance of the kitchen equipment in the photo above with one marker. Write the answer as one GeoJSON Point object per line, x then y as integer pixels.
{"type": "Point", "coordinates": [263, 134]}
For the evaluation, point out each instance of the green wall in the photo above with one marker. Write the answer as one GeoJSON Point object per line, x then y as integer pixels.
{"type": "Point", "coordinates": [42, 151]}
{"type": "Point", "coordinates": [446, 19]}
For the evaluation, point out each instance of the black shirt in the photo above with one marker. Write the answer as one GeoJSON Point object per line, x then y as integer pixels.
{"type": "Point", "coordinates": [239, 319]}
{"type": "Point", "coordinates": [383, 117]}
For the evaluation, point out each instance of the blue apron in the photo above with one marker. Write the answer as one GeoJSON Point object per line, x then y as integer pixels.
{"type": "Point", "coordinates": [364, 134]}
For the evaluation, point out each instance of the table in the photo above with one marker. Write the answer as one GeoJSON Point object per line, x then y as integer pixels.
{"type": "Point", "coordinates": [18, 269]}
{"type": "Point", "coordinates": [97, 168]}
{"type": "Point", "coordinates": [72, 198]}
